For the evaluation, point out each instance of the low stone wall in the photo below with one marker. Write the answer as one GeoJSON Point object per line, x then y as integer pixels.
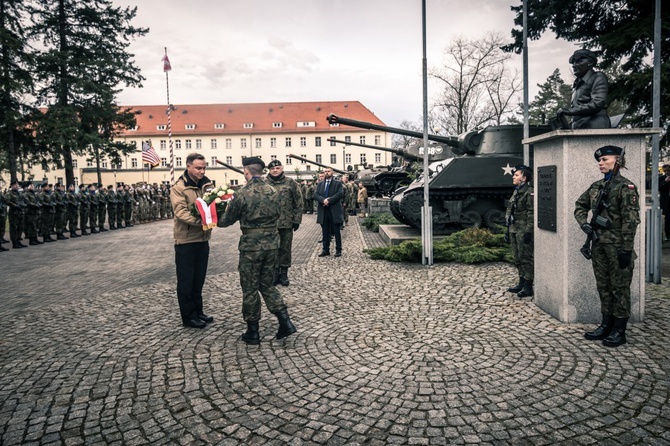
{"type": "Point", "coordinates": [379, 206]}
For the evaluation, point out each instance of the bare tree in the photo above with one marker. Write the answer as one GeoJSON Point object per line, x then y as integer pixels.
{"type": "Point", "coordinates": [478, 85]}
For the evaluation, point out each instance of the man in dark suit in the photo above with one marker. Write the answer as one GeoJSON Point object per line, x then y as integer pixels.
{"type": "Point", "coordinates": [329, 195]}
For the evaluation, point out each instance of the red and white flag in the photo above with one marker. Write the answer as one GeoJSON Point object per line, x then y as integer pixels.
{"type": "Point", "coordinates": [166, 63]}
{"type": "Point", "coordinates": [207, 213]}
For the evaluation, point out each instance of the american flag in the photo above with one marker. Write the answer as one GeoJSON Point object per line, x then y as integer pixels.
{"type": "Point", "coordinates": [149, 155]}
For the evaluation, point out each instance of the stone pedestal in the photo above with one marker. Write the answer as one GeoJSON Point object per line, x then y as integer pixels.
{"type": "Point", "coordinates": [564, 283]}
{"type": "Point", "coordinates": [379, 206]}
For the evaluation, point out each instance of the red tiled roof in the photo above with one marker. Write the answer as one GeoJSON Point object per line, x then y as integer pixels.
{"type": "Point", "coordinates": [234, 116]}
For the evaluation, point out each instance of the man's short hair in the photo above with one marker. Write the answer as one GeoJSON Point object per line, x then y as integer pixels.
{"type": "Point", "coordinates": [254, 169]}
{"type": "Point", "coordinates": [192, 157]}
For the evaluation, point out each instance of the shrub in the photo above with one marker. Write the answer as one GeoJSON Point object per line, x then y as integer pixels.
{"type": "Point", "coordinates": [372, 222]}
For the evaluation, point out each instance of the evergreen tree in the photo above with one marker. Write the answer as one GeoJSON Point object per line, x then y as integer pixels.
{"type": "Point", "coordinates": [80, 72]}
{"type": "Point", "coordinates": [554, 93]}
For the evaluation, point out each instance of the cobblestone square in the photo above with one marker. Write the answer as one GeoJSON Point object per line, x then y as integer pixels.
{"type": "Point", "coordinates": [92, 352]}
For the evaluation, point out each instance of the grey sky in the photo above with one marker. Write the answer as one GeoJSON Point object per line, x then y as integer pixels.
{"type": "Point", "coordinates": [311, 50]}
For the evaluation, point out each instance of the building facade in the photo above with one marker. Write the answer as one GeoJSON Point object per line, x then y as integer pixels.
{"type": "Point", "coordinates": [230, 132]}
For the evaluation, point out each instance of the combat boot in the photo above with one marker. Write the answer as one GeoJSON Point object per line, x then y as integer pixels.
{"type": "Point", "coordinates": [94, 230]}
{"type": "Point", "coordinates": [527, 289]}
{"type": "Point", "coordinates": [286, 327]}
{"type": "Point", "coordinates": [251, 335]}
{"type": "Point", "coordinates": [3, 248]}
{"type": "Point", "coordinates": [85, 232]}
{"type": "Point", "coordinates": [33, 241]}
{"type": "Point", "coordinates": [276, 279]}
{"type": "Point", "coordinates": [283, 276]}
{"type": "Point", "coordinates": [102, 229]}
{"type": "Point", "coordinates": [603, 330]}
{"type": "Point", "coordinates": [618, 335]}
{"type": "Point", "coordinates": [48, 239]}
{"type": "Point", "coordinates": [518, 287]}
{"type": "Point", "coordinates": [61, 236]}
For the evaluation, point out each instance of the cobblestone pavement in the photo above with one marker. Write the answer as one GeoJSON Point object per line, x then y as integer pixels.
{"type": "Point", "coordinates": [92, 352]}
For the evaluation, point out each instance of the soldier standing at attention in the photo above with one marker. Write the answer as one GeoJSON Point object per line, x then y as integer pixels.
{"type": "Point", "coordinates": [93, 199]}
{"type": "Point", "coordinates": [120, 206]}
{"type": "Point", "coordinates": [612, 253]}
{"type": "Point", "coordinates": [102, 207]}
{"type": "Point", "coordinates": [128, 202]}
{"type": "Point", "coordinates": [48, 216]}
{"type": "Point", "coordinates": [256, 207]}
{"type": "Point", "coordinates": [111, 207]}
{"type": "Point", "coordinates": [33, 214]}
{"type": "Point", "coordinates": [61, 211]}
{"type": "Point", "coordinates": [17, 207]}
{"type": "Point", "coordinates": [290, 208]}
{"type": "Point", "coordinates": [3, 220]}
{"type": "Point", "coordinates": [72, 207]}
{"type": "Point", "coordinates": [519, 218]}
{"type": "Point", "coordinates": [83, 209]}
{"type": "Point", "coordinates": [308, 200]}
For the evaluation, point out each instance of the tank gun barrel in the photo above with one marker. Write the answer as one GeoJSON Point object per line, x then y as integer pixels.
{"type": "Point", "coordinates": [341, 172]}
{"type": "Point", "coordinates": [402, 153]}
{"type": "Point", "coordinates": [235, 169]}
{"type": "Point", "coordinates": [451, 141]}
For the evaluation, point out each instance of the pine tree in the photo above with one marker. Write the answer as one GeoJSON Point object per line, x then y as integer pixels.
{"type": "Point", "coordinates": [554, 93]}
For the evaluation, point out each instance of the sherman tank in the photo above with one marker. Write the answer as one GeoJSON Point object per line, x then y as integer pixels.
{"type": "Point", "coordinates": [470, 189]}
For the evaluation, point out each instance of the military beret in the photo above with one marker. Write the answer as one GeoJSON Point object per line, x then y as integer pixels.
{"type": "Point", "coordinates": [607, 150]}
{"type": "Point", "coordinates": [253, 160]}
{"type": "Point", "coordinates": [82, 185]}
{"type": "Point", "coordinates": [13, 182]}
{"type": "Point", "coordinates": [45, 185]}
{"type": "Point", "coordinates": [523, 168]}
{"type": "Point", "coordinates": [583, 54]}
{"type": "Point", "coordinates": [274, 163]}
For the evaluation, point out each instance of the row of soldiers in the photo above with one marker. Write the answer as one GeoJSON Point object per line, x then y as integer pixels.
{"type": "Point", "coordinates": [307, 188]}
{"type": "Point", "coordinates": [53, 211]}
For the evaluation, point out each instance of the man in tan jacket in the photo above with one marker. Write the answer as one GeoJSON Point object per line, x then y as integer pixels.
{"type": "Point", "coordinates": [191, 241]}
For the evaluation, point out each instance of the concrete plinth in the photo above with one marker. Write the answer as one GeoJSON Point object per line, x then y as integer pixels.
{"type": "Point", "coordinates": [379, 206]}
{"type": "Point", "coordinates": [564, 283]}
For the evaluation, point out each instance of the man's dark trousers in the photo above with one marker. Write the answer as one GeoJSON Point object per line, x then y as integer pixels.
{"type": "Point", "coordinates": [191, 260]}
{"type": "Point", "coordinates": [328, 229]}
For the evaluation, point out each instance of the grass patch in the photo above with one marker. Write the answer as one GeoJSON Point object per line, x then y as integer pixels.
{"type": "Point", "coordinates": [372, 222]}
{"type": "Point", "coordinates": [473, 245]}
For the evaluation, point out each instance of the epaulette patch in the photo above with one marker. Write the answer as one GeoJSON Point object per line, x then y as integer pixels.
{"type": "Point", "coordinates": [631, 186]}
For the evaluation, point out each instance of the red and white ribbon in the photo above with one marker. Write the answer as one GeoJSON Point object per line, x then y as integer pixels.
{"type": "Point", "coordinates": [207, 213]}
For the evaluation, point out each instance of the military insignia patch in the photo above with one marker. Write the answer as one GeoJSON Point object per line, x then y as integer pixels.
{"type": "Point", "coordinates": [633, 199]}
{"type": "Point", "coordinates": [631, 186]}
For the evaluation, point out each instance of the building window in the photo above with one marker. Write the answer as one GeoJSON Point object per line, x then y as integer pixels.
{"type": "Point", "coordinates": [308, 168]}
{"type": "Point", "coordinates": [163, 144]}
{"type": "Point", "coordinates": [362, 139]}
{"type": "Point", "coordinates": [333, 158]}
{"type": "Point", "coordinates": [317, 141]}
{"type": "Point", "coordinates": [214, 163]}
{"type": "Point", "coordinates": [178, 161]}
{"type": "Point", "coordinates": [306, 124]}
{"type": "Point", "coordinates": [219, 126]}
{"type": "Point", "coordinates": [347, 158]}
{"type": "Point", "coordinates": [198, 143]}
{"type": "Point", "coordinates": [378, 157]}
{"type": "Point", "coordinates": [303, 141]}
{"type": "Point", "coordinates": [133, 162]}
{"type": "Point", "coordinates": [74, 163]}
{"type": "Point", "coordinates": [234, 182]}
{"type": "Point", "coordinates": [163, 162]}
{"type": "Point", "coordinates": [188, 144]}
{"type": "Point", "coordinates": [229, 160]}
{"type": "Point", "coordinates": [288, 142]}
{"type": "Point", "coordinates": [190, 126]}
{"type": "Point", "coordinates": [303, 161]}
{"type": "Point", "coordinates": [229, 143]}
{"type": "Point", "coordinates": [258, 143]}
{"type": "Point", "coordinates": [319, 159]}
{"type": "Point", "coordinates": [213, 144]}
{"type": "Point", "coordinates": [243, 143]}
{"type": "Point", "coordinates": [89, 163]}
{"type": "Point", "coordinates": [362, 158]}
{"type": "Point", "coordinates": [289, 160]}
{"type": "Point", "coordinates": [378, 140]}
{"type": "Point", "coordinates": [273, 143]}
{"type": "Point", "coordinates": [332, 143]}
{"type": "Point", "coordinates": [347, 139]}
{"type": "Point", "coordinates": [177, 144]}
{"type": "Point", "coordinates": [161, 127]}
{"type": "Point", "coordinates": [273, 157]}
{"type": "Point", "coordinates": [276, 125]}
{"type": "Point", "coordinates": [104, 164]}
{"type": "Point", "coordinates": [248, 125]}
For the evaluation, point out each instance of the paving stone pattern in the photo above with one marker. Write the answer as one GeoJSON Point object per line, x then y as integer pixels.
{"type": "Point", "coordinates": [92, 352]}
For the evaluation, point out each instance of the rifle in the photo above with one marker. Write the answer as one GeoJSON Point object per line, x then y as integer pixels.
{"type": "Point", "coordinates": [510, 219]}
{"type": "Point", "coordinates": [597, 220]}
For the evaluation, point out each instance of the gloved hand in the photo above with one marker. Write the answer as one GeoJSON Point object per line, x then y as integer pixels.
{"type": "Point", "coordinates": [528, 238]}
{"type": "Point", "coordinates": [624, 258]}
{"type": "Point", "coordinates": [506, 237]}
{"type": "Point", "coordinates": [587, 229]}
{"type": "Point", "coordinates": [296, 226]}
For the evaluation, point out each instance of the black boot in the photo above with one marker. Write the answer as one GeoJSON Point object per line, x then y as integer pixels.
{"type": "Point", "coordinates": [251, 335]}
{"type": "Point", "coordinates": [277, 279]}
{"type": "Point", "coordinates": [618, 335]}
{"type": "Point", "coordinates": [283, 276]}
{"type": "Point", "coordinates": [527, 289]}
{"type": "Point", "coordinates": [61, 236]}
{"type": "Point", "coordinates": [518, 287]}
{"type": "Point", "coordinates": [603, 330]}
{"type": "Point", "coordinates": [286, 327]}
{"type": "Point", "coordinates": [48, 239]}
{"type": "Point", "coordinates": [3, 248]}
{"type": "Point", "coordinates": [33, 241]}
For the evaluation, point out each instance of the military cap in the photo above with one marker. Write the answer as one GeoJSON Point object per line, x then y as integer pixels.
{"type": "Point", "coordinates": [82, 185]}
{"type": "Point", "coordinates": [607, 150]}
{"type": "Point", "coordinates": [583, 54]}
{"type": "Point", "coordinates": [253, 160]}
{"type": "Point", "coordinates": [274, 163]}
{"type": "Point", "coordinates": [13, 182]}
{"type": "Point", "coordinates": [523, 168]}
{"type": "Point", "coordinates": [45, 185]}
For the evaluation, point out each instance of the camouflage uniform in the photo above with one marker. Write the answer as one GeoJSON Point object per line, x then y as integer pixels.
{"type": "Point", "coordinates": [32, 217]}
{"type": "Point", "coordinates": [256, 207]}
{"type": "Point", "coordinates": [102, 208]}
{"type": "Point", "coordinates": [120, 206]}
{"type": "Point", "coordinates": [111, 207]}
{"type": "Point", "coordinates": [290, 217]}
{"type": "Point", "coordinates": [48, 216]}
{"type": "Point", "coordinates": [308, 198]}
{"type": "Point", "coordinates": [61, 212]}
{"type": "Point", "coordinates": [623, 211]}
{"type": "Point", "coordinates": [93, 200]}
{"type": "Point", "coordinates": [3, 220]}
{"type": "Point", "coordinates": [83, 210]}
{"type": "Point", "coordinates": [73, 204]}
{"type": "Point", "coordinates": [345, 201]}
{"type": "Point", "coordinates": [519, 217]}
{"type": "Point", "coordinates": [17, 207]}
{"type": "Point", "coordinates": [128, 202]}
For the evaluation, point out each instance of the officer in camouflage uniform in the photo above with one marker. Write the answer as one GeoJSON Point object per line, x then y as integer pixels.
{"type": "Point", "coordinates": [612, 252]}
{"type": "Point", "coordinates": [33, 214]}
{"type": "Point", "coordinates": [120, 206]}
{"type": "Point", "coordinates": [3, 220]}
{"type": "Point", "coordinates": [347, 196]}
{"type": "Point", "coordinates": [83, 209]}
{"type": "Point", "coordinates": [48, 215]}
{"type": "Point", "coordinates": [519, 218]}
{"type": "Point", "coordinates": [73, 203]}
{"type": "Point", "coordinates": [93, 203]}
{"type": "Point", "coordinates": [256, 207]}
{"type": "Point", "coordinates": [111, 207]}
{"type": "Point", "coordinates": [61, 211]}
{"type": "Point", "coordinates": [128, 202]}
{"type": "Point", "coordinates": [308, 198]}
{"type": "Point", "coordinates": [17, 207]}
{"type": "Point", "coordinates": [290, 207]}
{"type": "Point", "coordinates": [102, 207]}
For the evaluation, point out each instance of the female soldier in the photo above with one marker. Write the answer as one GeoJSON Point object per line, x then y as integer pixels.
{"type": "Point", "coordinates": [519, 217]}
{"type": "Point", "coordinates": [612, 251]}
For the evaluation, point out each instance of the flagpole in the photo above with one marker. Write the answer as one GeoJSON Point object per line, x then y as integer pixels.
{"type": "Point", "coordinates": [167, 68]}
